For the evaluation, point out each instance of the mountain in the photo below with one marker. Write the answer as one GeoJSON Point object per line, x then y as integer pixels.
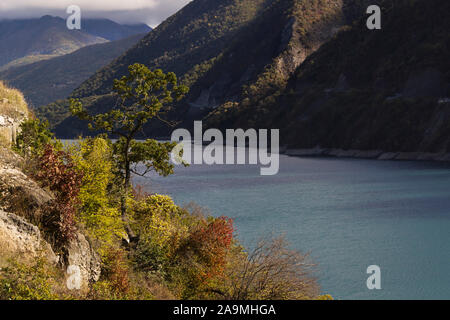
{"type": "Point", "coordinates": [47, 36]}
{"type": "Point", "coordinates": [111, 30]}
{"type": "Point", "coordinates": [30, 40]}
{"type": "Point", "coordinates": [383, 90]}
{"type": "Point", "coordinates": [221, 49]}
{"type": "Point", "coordinates": [194, 35]}
{"type": "Point", "coordinates": [311, 68]}
{"type": "Point", "coordinates": [49, 80]}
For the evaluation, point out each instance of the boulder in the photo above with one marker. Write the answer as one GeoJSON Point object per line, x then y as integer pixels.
{"type": "Point", "coordinates": [9, 129]}
{"type": "Point", "coordinates": [81, 255]}
{"type": "Point", "coordinates": [22, 240]}
{"type": "Point", "coordinates": [21, 195]}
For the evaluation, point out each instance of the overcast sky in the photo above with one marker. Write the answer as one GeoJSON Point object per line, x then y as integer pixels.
{"type": "Point", "coordinates": [151, 12]}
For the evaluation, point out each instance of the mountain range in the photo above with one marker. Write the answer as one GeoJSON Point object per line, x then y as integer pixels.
{"type": "Point", "coordinates": [29, 40]}
{"type": "Point", "coordinates": [52, 79]}
{"type": "Point", "coordinates": [219, 49]}
{"type": "Point", "coordinates": [311, 68]}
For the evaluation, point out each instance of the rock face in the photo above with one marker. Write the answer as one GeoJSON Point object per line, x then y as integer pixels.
{"type": "Point", "coordinates": [22, 240]}
{"type": "Point", "coordinates": [81, 254]}
{"type": "Point", "coordinates": [13, 111]}
{"type": "Point", "coordinates": [25, 201]}
{"type": "Point", "coordinates": [9, 128]}
{"type": "Point", "coordinates": [18, 193]}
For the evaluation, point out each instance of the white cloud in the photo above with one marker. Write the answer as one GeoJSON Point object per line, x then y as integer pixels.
{"type": "Point", "coordinates": [151, 12]}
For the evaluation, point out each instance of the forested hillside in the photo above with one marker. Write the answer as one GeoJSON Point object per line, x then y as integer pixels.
{"type": "Point", "coordinates": [311, 68]}
{"type": "Point", "coordinates": [386, 89]}
{"type": "Point", "coordinates": [197, 33]}
{"type": "Point", "coordinates": [223, 50]}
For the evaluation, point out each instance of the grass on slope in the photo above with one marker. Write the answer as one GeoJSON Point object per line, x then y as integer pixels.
{"type": "Point", "coordinates": [12, 102]}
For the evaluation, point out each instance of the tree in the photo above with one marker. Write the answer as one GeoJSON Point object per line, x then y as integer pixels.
{"type": "Point", "coordinates": [34, 136]}
{"type": "Point", "coordinates": [99, 211]}
{"type": "Point", "coordinates": [141, 95]}
{"type": "Point", "coordinates": [270, 271]}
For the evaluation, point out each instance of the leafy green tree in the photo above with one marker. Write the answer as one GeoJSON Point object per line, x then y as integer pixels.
{"type": "Point", "coordinates": [34, 136]}
{"type": "Point", "coordinates": [141, 96]}
{"type": "Point", "coordinates": [99, 211]}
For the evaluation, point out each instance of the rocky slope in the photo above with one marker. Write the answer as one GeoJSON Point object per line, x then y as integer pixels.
{"type": "Point", "coordinates": [23, 203]}
{"type": "Point", "coordinates": [22, 240]}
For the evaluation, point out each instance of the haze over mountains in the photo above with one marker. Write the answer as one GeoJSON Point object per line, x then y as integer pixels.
{"type": "Point", "coordinates": [29, 40]}
{"type": "Point", "coordinates": [45, 81]}
{"type": "Point", "coordinates": [311, 68]}
{"type": "Point", "coordinates": [50, 61]}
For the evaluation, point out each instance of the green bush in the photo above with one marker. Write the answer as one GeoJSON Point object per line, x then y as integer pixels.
{"type": "Point", "coordinates": [37, 281]}
{"type": "Point", "coordinates": [98, 208]}
{"type": "Point", "coordinates": [34, 136]}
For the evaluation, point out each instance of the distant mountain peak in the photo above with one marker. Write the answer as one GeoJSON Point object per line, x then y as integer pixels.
{"type": "Point", "coordinates": [23, 41]}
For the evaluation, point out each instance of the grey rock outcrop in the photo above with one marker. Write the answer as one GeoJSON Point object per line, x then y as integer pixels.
{"type": "Point", "coordinates": [9, 128]}
{"type": "Point", "coordinates": [80, 253]}
{"type": "Point", "coordinates": [22, 203]}
{"type": "Point", "coordinates": [22, 240]}
{"type": "Point", "coordinates": [18, 193]}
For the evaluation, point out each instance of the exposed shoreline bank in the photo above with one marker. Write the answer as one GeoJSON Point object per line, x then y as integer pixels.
{"type": "Point", "coordinates": [367, 154]}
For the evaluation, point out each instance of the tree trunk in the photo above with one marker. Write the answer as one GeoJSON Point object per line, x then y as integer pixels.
{"type": "Point", "coordinates": [123, 202]}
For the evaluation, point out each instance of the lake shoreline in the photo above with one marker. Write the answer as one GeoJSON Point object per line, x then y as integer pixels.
{"type": "Point", "coordinates": [367, 154]}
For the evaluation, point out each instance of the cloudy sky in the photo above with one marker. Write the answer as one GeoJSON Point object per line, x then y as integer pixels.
{"type": "Point", "coordinates": [151, 12]}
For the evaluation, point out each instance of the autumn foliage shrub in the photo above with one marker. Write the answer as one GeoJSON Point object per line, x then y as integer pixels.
{"type": "Point", "coordinates": [58, 173]}
{"type": "Point", "coordinates": [200, 259]}
{"type": "Point", "coordinates": [210, 243]}
{"type": "Point", "coordinates": [185, 248]}
{"type": "Point", "coordinates": [119, 281]}
{"type": "Point", "coordinates": [115, 269]}
{"type": "Point", "coordinates": [159, 224]}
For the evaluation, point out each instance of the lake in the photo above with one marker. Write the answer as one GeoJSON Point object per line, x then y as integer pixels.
{"type": "Point", "coordinates": [348, 213]}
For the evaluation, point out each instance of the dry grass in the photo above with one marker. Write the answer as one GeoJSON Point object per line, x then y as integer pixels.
{"type": "Point", "coordinates": [12, 103]}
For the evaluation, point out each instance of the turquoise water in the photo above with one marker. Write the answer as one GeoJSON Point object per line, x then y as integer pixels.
{"type": "Point", "coordinates": [348, 213]}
